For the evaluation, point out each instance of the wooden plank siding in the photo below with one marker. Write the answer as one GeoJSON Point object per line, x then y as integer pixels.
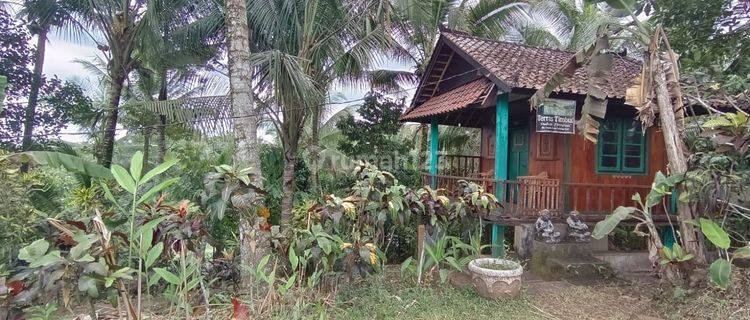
{"type": "Point", "coordinates": [620, 187]}
{"type": "Point", "coordinates": [571, 160]}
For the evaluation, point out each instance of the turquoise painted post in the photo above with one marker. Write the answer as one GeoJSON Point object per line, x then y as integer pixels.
{"type": "Point", "coordinates": [433, 152]}
{"type": "Point", "coordinates": [501, 167]}
{"type": "Point", "coordinates": [668, 237]}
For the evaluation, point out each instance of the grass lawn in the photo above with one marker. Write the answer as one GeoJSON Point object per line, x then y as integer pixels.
{"type": "Point", "coordinates": [389, 296]}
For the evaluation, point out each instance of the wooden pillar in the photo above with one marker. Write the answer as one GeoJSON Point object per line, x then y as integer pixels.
{"type": "Point", "coordinates": [433, 152]}
{"type": "Point", "coordinates": [502, 112]}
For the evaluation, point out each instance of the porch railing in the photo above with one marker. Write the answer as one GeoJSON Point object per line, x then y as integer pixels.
{"type": "Point", "coordinates": [459, 165]}
{"type": "Point", "coordinates": [523, 199]}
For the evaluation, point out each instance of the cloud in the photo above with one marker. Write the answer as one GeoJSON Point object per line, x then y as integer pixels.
{"type": "Point", "coordinates": [59, 58]}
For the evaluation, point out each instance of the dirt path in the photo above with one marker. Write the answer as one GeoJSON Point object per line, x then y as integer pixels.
{"type": "Point", "coordinates": [563, 300]}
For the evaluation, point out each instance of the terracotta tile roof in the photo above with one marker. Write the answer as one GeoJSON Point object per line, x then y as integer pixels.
{"type": "Point", "coordinates": [521, 66]}
{"type": "Point", "coordinates": [454, 99]}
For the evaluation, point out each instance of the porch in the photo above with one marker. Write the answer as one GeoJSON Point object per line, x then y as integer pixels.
{"type": "Point", "coordinates": [523, 198]}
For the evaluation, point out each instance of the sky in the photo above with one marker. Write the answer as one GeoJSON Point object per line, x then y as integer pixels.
{"type": "Point", "coordinates": [62, 51]}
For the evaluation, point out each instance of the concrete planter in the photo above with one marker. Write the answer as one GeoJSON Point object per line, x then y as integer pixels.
{"type": "Point", "coordinates": [493, 284]}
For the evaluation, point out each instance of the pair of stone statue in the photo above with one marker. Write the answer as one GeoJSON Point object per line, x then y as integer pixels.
{"type": "Point", "coordinates": [578, 231]}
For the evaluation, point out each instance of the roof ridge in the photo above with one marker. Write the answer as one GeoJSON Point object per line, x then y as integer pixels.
{"type": "Point", "coordinates": [467, 35]}
{"type": "Point", "coordinates": [464, 34]}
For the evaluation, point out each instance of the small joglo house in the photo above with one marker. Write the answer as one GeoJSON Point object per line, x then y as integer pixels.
{"type": "Point", "coordinates": [533, 159]}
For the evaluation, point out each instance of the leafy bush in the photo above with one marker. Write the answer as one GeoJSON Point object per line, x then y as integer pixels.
{"type": "Point", "coordinates": [624, 238]}
{"type": "Point", "coordinates": [29, 198]}
{"type": "Point", "coordinates": [196, 159]}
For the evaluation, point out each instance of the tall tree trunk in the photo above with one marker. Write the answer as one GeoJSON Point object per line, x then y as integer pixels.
{"type": "Point", "coordinates": [290, 135]}
{"type": "Point", "coordinates": [689, 234]}
{"type": "Point", "coordinates": [146, 147]}
{"type": "Point", "coordinates": [36, 83]}
{"type": "Point", "coordinates": [287, 180]}
{"type": "Point", "coordinates": [315, 148]}
{"type": "Point", "coordinates": [107, 143]}
{"type": "Point", "coordinates": [161, 138]}
{"type": "Point", "coordinates": [253, 242]}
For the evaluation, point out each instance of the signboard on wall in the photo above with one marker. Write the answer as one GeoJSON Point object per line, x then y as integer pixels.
{"type": "Point", "coordinates": [556, 116]}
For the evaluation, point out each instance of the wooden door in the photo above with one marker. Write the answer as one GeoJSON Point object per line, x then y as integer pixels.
{"type": "Point", "coordinates": [518, 153]}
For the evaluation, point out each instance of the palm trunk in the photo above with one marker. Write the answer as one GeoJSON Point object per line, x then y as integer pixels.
{"type": "Point", "coordinates": [36, 83]}
{"type": "Point", "coordinates": [315, 148]}
{"type": "Point", "coordinates": [290, 133]}
{"type": "Point", "coordinates": [161, 139]}
{"type": "Point", "coordinates": [162, 129]}
{"type": "Point", "coordinates": [245, 129]}
{"type": "Point", "coordinates": [107, 144]}
{"type": "Point", "coordinates": [146, 147]}
{"type": "Point", "coordinates": [677, 164]}
{"type": "Point", "coordinates": [287, 200]}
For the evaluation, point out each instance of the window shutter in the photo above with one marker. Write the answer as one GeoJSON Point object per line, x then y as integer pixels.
{"type": "Point", "coordinates": [608, 147]}
{"type": "Point", "coordinates": [621, 147]}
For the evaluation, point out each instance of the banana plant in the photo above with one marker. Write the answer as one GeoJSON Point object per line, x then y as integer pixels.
{"type": "Point", "coordinates": [720, 271]}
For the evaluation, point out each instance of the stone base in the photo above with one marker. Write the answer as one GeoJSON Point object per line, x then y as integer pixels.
{"type": "Point", "coordinates": [566, 260]}
{"type": "Point", "coordinates": [524, 237]}
{"type": "Point", "coordinates": [573, 268]}
{"type": "Point", "coordinates": [599, 245]}
{"type": "Point", "coordinates": [626, 262]}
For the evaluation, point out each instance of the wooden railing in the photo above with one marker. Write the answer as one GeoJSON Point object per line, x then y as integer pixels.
{"type": "Point", "coordinates": [601, 198]}
{"type": "Point", "coordinates": [524, 199]}
{"type": "Point", "coordinates": [459, 165]}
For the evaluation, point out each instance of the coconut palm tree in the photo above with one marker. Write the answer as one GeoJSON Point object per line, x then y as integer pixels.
{"type": "Point", "coordinates": [171, 60]}
{"type": "Point", "coordinates": [245, 125]}
{"type": "Point", "coordinates": [303, 46]}
{"type": "Point", "coordinates": [42, 16]}
{"type": "Point", "coordinates": [122, 28]}
{"type": "Point", "coordinates": [560, 24]}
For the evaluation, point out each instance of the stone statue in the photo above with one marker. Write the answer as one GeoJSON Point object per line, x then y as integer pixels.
{"type": "Point", "coordinates": [577, 230]}
{"type": "Point", "coordinates": [545, 229]}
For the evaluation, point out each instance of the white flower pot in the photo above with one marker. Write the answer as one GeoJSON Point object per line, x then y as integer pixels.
{"type": "Point", "coordinates": [491, 283]}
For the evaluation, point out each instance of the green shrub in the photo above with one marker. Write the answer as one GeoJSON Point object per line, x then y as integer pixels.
{"type": "Point", "coordinates": [197, 158]}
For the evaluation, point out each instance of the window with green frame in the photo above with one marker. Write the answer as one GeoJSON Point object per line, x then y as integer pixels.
{"type": "Point", "coordinates": [621, 147]}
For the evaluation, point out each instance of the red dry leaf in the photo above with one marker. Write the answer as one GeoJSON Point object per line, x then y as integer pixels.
{"type": "Point", "coordinates": [183, 209]}
{"type": "Point", "coordinates": [66, 239]}
{"type": "Point", "coordinates": [265, 226]}
{"type": "Point", "coordinates": [16, 287]}
{"type": "Point", "coordinates": [78, 224]}
{"type": "Point", "coordinates": [240, 311]}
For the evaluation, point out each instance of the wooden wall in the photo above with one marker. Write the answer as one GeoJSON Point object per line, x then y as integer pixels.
{"type": "Point", "coordinates": [487, 151]}
{"type": "Point", "coordinates": [583, 160]}
{"type": "Point", "coordinates": [546, 153]}
{"type": "Point", "coordinates": [613, 190]}
{"type": "Point", "coordinates": [572, 160]}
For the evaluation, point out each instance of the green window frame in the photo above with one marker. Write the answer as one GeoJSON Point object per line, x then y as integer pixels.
{"type": "Point", "coordinates": [621, 147]}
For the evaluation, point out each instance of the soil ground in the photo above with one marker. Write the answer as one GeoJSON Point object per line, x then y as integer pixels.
{"type": "Point", "coordinates": [390, 295]}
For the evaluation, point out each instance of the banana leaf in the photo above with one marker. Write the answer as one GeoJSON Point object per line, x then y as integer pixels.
{"type": "Point", "coordinates": [73, 164]}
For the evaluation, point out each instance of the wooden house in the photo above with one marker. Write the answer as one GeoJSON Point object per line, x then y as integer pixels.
{"type": "Point", "coordinates": [529, 161]}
